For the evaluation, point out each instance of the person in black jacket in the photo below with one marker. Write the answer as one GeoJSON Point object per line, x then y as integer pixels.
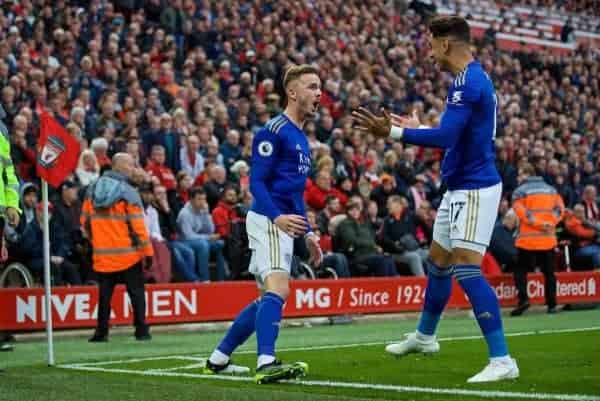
{"type": "Point", "coordinates": [399, 236]}
{"type": "Point", "coordinates": [63, 271]}
{"type": "Point", "coordinates": [502, 244]}
{"type": "Point", "coordinates": [67, 210]}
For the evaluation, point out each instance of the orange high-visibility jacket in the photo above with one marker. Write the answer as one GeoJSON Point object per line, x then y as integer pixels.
{"type": "Point", "coordinates": [536, 203]}
{"type": "Point", "coordinates": [583, 233]}
{"type": "Point", "coordinates": [113, 219]}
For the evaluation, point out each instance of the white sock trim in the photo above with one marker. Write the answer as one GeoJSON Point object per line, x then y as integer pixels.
{"type": "Point", "coordinates": [425, 337]}
{"type": "Point", "coordinates": [218, 358]}
{"type": "Point", "coordinates": [506, 359]}
{"type": "Point", "coordinates": [264, 360]}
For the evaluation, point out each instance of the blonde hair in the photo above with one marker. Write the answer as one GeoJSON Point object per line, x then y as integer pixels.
{"type": "Point", "coordinates": [325, 161]}
{"type": "Point", "coordinates": [296, 71]}
{"type": "Point", "coordinates": [90, 153]}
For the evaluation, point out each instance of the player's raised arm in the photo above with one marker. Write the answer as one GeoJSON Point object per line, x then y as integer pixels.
{"type": "Point", "coordinates": [444, 136]}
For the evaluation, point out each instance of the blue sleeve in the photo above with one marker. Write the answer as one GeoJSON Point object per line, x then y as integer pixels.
{"type": "Point", "coordinates": [301, 211]}
{"type": "Point", "coordinates": [265, 149]}
{"type": "Point", "coordinates": [459, 108]}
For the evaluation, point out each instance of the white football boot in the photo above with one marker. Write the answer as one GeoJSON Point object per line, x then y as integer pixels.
{"type": "Point", "coordinates": [497, 370]}
{"type": "Point", "coordinates": [413, 344]}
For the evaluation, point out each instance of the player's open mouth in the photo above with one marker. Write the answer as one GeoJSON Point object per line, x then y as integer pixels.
{"type": "Point", "coordinates": [315, 105]}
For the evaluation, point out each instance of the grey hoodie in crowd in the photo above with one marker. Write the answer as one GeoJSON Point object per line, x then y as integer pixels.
{"type": "Point", "coordinates": [194, 225]}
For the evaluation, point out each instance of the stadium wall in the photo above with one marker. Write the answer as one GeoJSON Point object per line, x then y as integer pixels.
{"type": "Point", "coordinates": [76, 307]}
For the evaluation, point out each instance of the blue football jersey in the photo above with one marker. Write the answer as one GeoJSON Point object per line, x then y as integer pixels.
{"type": "Point", "coordinates": [279, 169]}
{"type": "Point", "coordinates": [467, 131]}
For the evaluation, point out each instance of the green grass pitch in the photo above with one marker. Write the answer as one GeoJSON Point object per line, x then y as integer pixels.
{"type": "Point", "coordinates": [559, 358]}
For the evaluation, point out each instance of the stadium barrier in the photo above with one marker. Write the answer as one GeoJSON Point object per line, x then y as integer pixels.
{"type": "Point", "coordinates": [76, 307]}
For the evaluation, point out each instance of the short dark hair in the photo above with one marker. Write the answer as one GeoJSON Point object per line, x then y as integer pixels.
{"type": "Point", "coordinates": [452, 26]}
{"type": "Point", "coordinates": [229, 187]}
{"type": "Point", "coordinates": [195, 191]}
{"type": "Point", "coordinates": [296, 71]}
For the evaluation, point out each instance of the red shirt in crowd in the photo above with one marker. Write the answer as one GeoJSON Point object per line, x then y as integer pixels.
{"type": "Point", "coordinates": [223, 215]}
{"type": "Point", "coordinates": [316, 198]}
{"type": "Point", "coordinates": [164, 175]}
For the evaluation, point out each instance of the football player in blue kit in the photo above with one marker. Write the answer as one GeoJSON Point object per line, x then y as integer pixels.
{"type": "Point", "coordinates": [467, 213]}
{"type": "Point", "coordinates": [279, 169]}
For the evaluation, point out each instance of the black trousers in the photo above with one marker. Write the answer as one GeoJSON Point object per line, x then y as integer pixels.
{"type": "Point", "coordinates": [134, 281]}
{"type": "Point", "coordinates": [527, 261]}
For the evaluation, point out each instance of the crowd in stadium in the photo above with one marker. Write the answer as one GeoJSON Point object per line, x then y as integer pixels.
{"type": "Point", "coordinates": [183, 85]}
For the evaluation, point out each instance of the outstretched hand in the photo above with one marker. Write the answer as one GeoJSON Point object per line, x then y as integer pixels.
{"type": "Point", "coordinates": [368, 122]}
{"type": "Point", "coordinates": [406, 122]}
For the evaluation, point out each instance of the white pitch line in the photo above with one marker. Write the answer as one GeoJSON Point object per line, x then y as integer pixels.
{"type": "Point", "coordinates": [136, 360]}
{"type": "Point", "coordinates": [185, 367]}
{"type": "Point", "coordinates": [386, 387]}
{"type": "Point", "coordinates": [459, 338]}
{"type": "Point", "coordinates": [329, 346]}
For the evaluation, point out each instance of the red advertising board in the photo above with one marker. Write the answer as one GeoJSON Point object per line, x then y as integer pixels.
{"type": "Point", "coordinates": [76, 307]}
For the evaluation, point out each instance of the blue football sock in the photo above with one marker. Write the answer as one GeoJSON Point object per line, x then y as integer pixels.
{"type": "Point", "coordinates": [439, 288]}
{"type": "Point", "coordinates": [242, 328]}
{"type": "Point", "coordinates": [485, 306]}
{"type": "Point", "coordinates": [268, 318]}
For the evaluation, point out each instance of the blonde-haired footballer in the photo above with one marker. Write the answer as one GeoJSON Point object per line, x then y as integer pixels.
{"type": "Point", "coordinates": [280, 165]}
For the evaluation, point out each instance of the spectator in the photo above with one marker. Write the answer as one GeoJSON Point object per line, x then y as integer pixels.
{"type": "Point", "coordinates": [586, 239]}
{"type": "Point", "coordinates": [63, 271]}
{"type": "Point", "coordinates": [100, 148]}
{"type": "Point", "coordinates": [67, 213]}
{"type": "Point", "coordinates": [183, 255]}
{"type": "Point", "coordinates": [192, 161]}
{"type": "Point", "coordinates": [196, 228]}
{"type": "Point", "coordinates": [156, 166]}
{"type": "Point", "coordinates": [539, 209]}
{"type": "Point", "coordinates": [168, 139]}
{"type": "Point", "coordinates": [29, 197]}
{"type": "Point", "coordinates": [357, 241]}
{"type": "Point", "coordinates": [88, 168]}
{"type": "Point", "coordinates": [502, 244]}
{"type": "Point", "coordinates": [333, 207]}
{"type": "Point", "coordinates": [160, 271]}
{"type": "Point", "coordinates": [184, 184]}
{"type": "Point", "coordinates": [590, 203]}
{"type": "Point", "coordinates": [399, 237]}
{"type": "Point", "coordinates": [332, 260]}
{"type": "Point", "coordinates": [316, 195]}
{"type": "Point", "coordinates": [217, 180]}
{"type": "Point", "coordinates": [241, 172]}
{"type": "Point", "coordinates": [231, 150]}
{"type": "Point", "coordinates": [373, 220]}
{"type": "Point", "coordinates": [381, 193]}
{"type": "Point", "coordinates": [225, 213]}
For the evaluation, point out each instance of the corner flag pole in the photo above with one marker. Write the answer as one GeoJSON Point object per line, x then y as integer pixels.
{"type": "Point", "coordinates": [47, 278]}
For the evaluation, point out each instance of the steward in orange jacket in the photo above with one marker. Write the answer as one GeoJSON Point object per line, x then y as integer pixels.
{"type": "Point", "coordinates": [113, 220]}
{"type": "Point", "coordinates": [539, 209]}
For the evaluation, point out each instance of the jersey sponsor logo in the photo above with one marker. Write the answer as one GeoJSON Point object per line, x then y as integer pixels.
{"type": "Point", "coordinates": [265, 148]}
{"type": "Point", "coordinates": [298, 147]}
{"type": "Point", "coordinates": [304, 164]}
{"type": "Point", "coordinates": [456, 97]}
